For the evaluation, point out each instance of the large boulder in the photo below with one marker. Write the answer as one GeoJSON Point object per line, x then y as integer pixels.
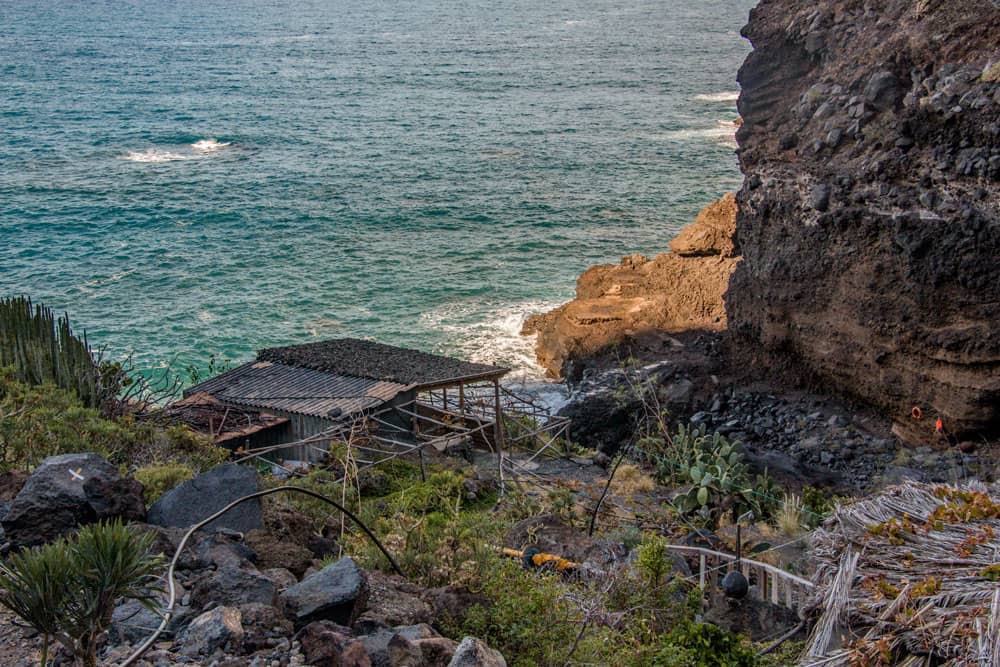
{"type": "Point", "coordinates": [234, 586]}
{"type": "Point", "coordinates": [69, 491]}
{"type": "Point", "coordinates": [336, 593]}
{"type": "Point", "coordinates": [206, 494]}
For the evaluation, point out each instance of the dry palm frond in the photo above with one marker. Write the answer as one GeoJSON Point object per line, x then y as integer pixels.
{"type": "Point", "coordinates": [909, 575]}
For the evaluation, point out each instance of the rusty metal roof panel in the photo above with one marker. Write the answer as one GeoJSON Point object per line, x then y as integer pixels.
{"type": "Point", "coordinates": [304, 391]}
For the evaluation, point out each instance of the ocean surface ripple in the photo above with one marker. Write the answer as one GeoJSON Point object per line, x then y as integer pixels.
{"type": "Point", "coordinates": [205, 177]}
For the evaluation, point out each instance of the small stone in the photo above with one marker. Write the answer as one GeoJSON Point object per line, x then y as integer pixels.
{"type": "Point", "coordinates": [819, 197]}
{"type": "Point", "coordinates": [472, 652]}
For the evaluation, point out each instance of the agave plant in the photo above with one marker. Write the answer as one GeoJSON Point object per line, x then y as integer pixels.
{"type": "Point", "coordinates": [67, 590]}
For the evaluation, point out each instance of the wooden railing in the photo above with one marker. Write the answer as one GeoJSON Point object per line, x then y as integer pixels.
{"type": "Point", "coordinates": [773, 584]}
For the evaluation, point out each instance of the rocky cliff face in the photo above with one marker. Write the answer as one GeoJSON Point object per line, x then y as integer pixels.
{"type": "Point", "coordinates": [869, 219]}
{"type": "Point", "coordinates": [674, 291]}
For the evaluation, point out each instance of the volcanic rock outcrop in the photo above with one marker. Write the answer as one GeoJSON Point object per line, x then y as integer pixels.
{"type": "Point", "coordinates": [673, 291]}
{"type": "Point", "coordinates": [869, 218]}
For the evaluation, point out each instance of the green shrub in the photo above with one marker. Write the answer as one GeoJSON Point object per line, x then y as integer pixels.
{"type": "Point", "coordinates": [158, 478]}
{"type": "Point", "coordinates": [67, 590]}
{"type": "Point", "coordinates": [691, 644]}
{"type": "Point", "coordinates": [529, 619]}
{"type": "Point", "coordinates": [38, 421]}
{"type": "Point", "coordinates": [651, 559]}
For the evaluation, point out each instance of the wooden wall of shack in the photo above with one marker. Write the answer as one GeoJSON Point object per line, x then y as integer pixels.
{"type": "Point", "coordinates": [301, 427]}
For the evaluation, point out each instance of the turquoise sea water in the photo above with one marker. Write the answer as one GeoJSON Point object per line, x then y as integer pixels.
{"type": "Point", "coordinates": [197, 177]}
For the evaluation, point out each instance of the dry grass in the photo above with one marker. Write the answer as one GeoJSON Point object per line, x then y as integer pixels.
{"type": "Point", "coordinates": [788, 519]}
{"type": "Point", "coordinates": [630, 479]}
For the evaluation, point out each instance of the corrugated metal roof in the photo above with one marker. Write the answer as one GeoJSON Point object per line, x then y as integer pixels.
{"type": "Point", "coordinates": [304, 391]}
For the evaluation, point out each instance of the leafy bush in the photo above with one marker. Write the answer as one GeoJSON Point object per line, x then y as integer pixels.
{"type": "Point", "coordinates": [67, 590]}
{"type": "Point", "coordinates": [44, 420]}
{"type": "Point", "coordinates": [651, 559]}
{"type": "Point", "coordinates": [38, 421]}
{"type": "Point", "coordinates": [818, 504]}
{"type": "Point", "coordinates": [529, 619]}
{"type": "Point", "coordinates": [692, 644]}
{"type": "Point", "coordinates": [158, 478]}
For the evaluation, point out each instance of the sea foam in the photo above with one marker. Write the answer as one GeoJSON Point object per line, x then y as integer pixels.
{"type": "Point", "coordinates": [209, 145]}
{"type": "Point", "coordinates": [154, 155]}
{"type": "Point", "coordinates": [727, 96]}
{"type": "Point", "coordinates": [200, 148]}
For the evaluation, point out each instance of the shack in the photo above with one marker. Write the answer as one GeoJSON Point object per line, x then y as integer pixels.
{"type": "Point", "coordinates": [319, 393]}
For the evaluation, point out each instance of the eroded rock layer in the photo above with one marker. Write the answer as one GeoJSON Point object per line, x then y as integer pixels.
{"type": "Point", "coordinates": [869, 219]}
{"type": "Point", "coordinates": [674, 291]}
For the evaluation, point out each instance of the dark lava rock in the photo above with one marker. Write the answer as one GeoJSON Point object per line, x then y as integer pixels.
{"type": "Point", "coordinates": [68, 491]}
{"type": "Point", "coordinates": [881, 88]}
{"type": "Point", "coordinates": [232, 586]}
{"type": "Point", "coordinates": [202, 496]}
{"type": "Point", "coordinates": [754, 618]}
{"type": "Point", "coordinates": [263, 626]}
{"type": "Point", "coordinates": [392, 601]}
{"type": "Point", "coordinates": [336, 593]}
{"type": "Point", "coordinates": [224, 548]}
{"type": "Point", "coordinates": [326, 644]}
{"type": "Point", "coordinates": [819, 199]}
{"type": "Point", "coordinates": [220, 629]}
{"type": "Point", "coordinates": [132, 622]}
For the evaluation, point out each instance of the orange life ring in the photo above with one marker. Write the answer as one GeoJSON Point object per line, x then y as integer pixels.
{"type": "Point", "coordinates": [916, 413]}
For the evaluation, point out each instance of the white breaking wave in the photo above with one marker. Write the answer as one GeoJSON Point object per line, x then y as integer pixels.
{"type": "Point", "coordinates": [199, 149]}
{"type": "Point", "coordinates": [495, 338]}
{"type": "Point", "coordinates": [208, 145]}
{"type": "Point", "coordinates": [728, 96]}
{"type": "Point", "coordinates": [491, 338]}
{"type": "Point", "coordinates": [154, 155]}
{"type": "Point", "coordinates": [723, 132]}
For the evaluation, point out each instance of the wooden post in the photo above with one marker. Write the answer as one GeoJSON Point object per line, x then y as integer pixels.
{"type": "Point", "coordinates": [498, 432]}
{"type": "Point", "coordinates": [461, 398]}
{"type": "Point", "coordinates": [701, 570]}
{"type": "Point", "coordinates": [416, 440]}
{"type": "Point", "coordinates": [444, 398]}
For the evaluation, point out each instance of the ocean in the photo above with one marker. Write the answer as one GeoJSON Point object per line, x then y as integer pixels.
{"type": "Point", "coordinates": [198, 178]}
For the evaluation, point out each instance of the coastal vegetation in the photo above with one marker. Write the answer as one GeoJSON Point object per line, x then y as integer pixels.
{"type": "Point", "coordinates": [66, 590]}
